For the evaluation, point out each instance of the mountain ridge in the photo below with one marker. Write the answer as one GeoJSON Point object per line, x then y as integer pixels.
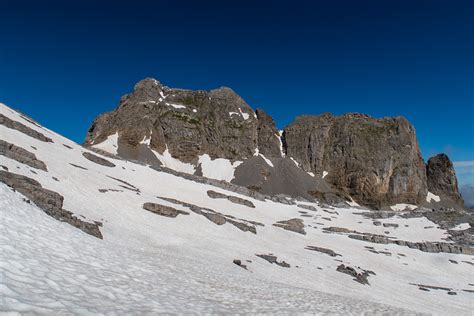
{"type": "Point", "coordinates": [186, 129]}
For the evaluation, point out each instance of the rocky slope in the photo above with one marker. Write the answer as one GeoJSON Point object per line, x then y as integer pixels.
{"type": "Point", "coordinates": [85, 233]}
{"type": "Point", "coordinates": [216, 134]}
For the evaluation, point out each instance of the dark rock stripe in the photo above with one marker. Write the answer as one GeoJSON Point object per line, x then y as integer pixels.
{"type": "Point", "coordinates": [49, 201]}
{"type": "Point", "coordinates": [98, 160]}
{"type": "Point", "coordinates": [7, 122]}
{"type": "Point", "coordinates": [21, 155]}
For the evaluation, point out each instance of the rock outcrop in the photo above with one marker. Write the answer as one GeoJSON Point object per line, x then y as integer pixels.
{"type": "Point", "coordinates": [49, 201]}
{"type": "Point", "coordinates": [21, 155]}
{"type": "Point", "coordinates": [376, 161]}
{"type": "Point", "coordinates": [442, 179]}
{"type": "Point", "coordinates": [184, 122]}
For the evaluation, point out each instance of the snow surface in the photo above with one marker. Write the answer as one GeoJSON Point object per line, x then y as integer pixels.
{"type": "Point", "coordinates": [169, 161]}
{"type": "Point", "coordinates": [403, 206]}
{"type": "Point", "coordinates": [462, 226]}
{"type": "Point", "coordinates": [109, 145]}
{"type": "Point", "coordinates": [432, 197]}
{"type": "Point", "coordinates": [220, 169]}
{"type": "Point", "coordinates": [280, 133]}
{"type": "Point", "coordinates": [149, 264]}
{"type": "Point", "coordinates": [325, 173]}
{"type": "Point", "coordinates": [246, 116]}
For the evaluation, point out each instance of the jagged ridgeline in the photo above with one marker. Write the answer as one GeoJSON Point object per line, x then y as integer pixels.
{"type": "Point", "coordinates": [216, 134]}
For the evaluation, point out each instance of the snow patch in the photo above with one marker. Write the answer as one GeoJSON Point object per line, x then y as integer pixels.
{"type": "Point", "coordinates": [170, 162]}
{"type": "Point", "coordinates": [109, 145]}
{"type": "Point", "coordinates": [280, 143]}
{"type": "Point", "coordinates": [176, 106]}
{"type": "Point", "coordinates": [403, 206]}
{"type": "Point", "coordinates": [220, 169]}
{"type": "Point", "coordinates": [296, 163]}
{"type": "Point", "coordinates": [432, 197]}
{"type": "Point", "coordinates": [311, 174]}
{"type": "Point", "coordinates": [268, 161]}
{"type": "Point", "coordinates": [244, 115]}
{"type": "Point", "coordinates": [462, 226]}
{"type": "Point", "coordinates": [352, 203]}
{"type": "Point", "coordinates": [325, 173]}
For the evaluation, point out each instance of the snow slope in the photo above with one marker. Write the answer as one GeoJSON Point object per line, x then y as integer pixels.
{"type": "Point", "coordinates": [148, 263]}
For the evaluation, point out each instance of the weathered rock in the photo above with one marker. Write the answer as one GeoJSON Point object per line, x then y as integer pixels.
{"type": "Point", "coordinates": [239, 263]}
{"type": "Point", "coordinates": [361, 277]}
{"type": "Point", "coordinates": [187, 123]}
{"type": "Point", "coordinates": [273, 259]}
{"type": "Point", "coordinates": [218, 218]}
{"type": "Point", "coordinates": [323, 250]}
{"type": "Point", "coordinates": [295, 225]}
{"type": "Point", "coordinates": [341, 145]}
{"type": "Point", "coordinates": [98, 160]}
{"type": "Point", "coordinates": [49, 201]}
{"type": "Point", "coordinates": [21, 155]}
{"type": "Point", "coordinates": [425, 246]}
{"type": "Point", "coordinates": [442, 179]}
{"type": "Point", "coordinates": [77, 166]}
{"type": "Point", "coordinates": [215, 218]}
{"type": "Point", "coordinates": [7, 122]}
{"type": "Point", "coordinates": [234, 199]}
{"type": "Point", "coordinates": [163, 210]}
{"type": "Point", "coordinates": [269, 142]}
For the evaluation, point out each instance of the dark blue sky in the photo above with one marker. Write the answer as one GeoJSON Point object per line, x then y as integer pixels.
{"type": "Point", "coordinates": [65, 62]}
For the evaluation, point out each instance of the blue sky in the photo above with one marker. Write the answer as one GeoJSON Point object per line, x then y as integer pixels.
{"type": "Point", "coordinates": [64, 62]}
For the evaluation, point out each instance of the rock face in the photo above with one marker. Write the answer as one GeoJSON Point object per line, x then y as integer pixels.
{"type": "Point", "coordinates": [442, 179]}
{"type": "Point", "coordinates": [269, 142]}
{"type": "Point", "coordinates": [184, 122]}
{"type": "Point", "coordinates": [376, 161]}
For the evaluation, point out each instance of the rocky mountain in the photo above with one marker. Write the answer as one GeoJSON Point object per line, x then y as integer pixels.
{"type": "Point", "coordinates": [216, 134]}
{"type": "Point", "coordinates": [88, 233]}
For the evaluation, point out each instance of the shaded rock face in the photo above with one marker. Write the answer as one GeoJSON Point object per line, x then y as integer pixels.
{"type": "Point", "coordinates": [187, 123]}
{"type": "Point", "coordinates": [376, 161]}
{"type": "Point", "coordinates": [442, 179]}
{"type": "Point", "coordinates": [269, 142]}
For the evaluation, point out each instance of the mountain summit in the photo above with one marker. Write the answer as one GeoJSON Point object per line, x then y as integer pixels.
{"type": "Point", "coordinates": [216, 134]}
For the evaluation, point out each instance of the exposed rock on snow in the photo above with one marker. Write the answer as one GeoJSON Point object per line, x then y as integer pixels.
{"type": "Point", "coordinates": [7, 122]}
{"type": "Point", "coordinates": [49, 201]}
{"type": "Point", "coordinates": [423, 246]}
{"type": "Point", "coordinates": [323, 250]}
{"type": "Point", "coordinates": [163, 210]}
{"type": "Point", "coordinates": [98, 160]}
{"type": "Point", "coordinates": [273, 259]}
{"type": "Point", "coordinates": [234, 199]}
{"type": "Point", "coordinates": [295, 225]}
{"type": "Point", "coordinates": [21, 155]}
{"type": "Point", "coordinates": [361, 277]}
